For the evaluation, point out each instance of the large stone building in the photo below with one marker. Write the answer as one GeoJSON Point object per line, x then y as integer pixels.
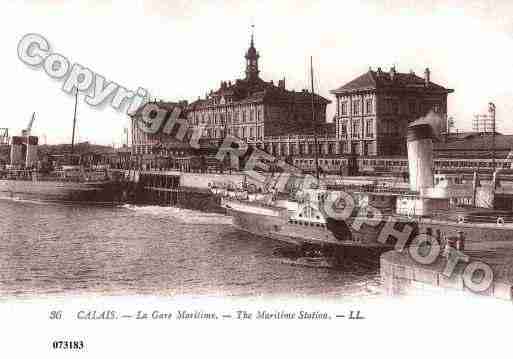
{"type": "Point", "coordinates": [253, 109]}
{"type": "Point", "coordinates": [373, 110]}
{"type": "Point", "coordinates": [263, 114]}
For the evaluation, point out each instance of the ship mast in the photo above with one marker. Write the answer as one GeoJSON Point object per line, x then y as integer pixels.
{"type": "Point", "coordinates": [314, 122]}
{"type": "Point", "coordinates": [74, 123]}
{"type": "Point", "coordinates": [491, 110]}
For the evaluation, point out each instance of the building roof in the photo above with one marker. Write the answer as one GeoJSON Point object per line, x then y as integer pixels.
{"type": "Point", "coordinates": [373, 80]}
{"type": "Point", "coordinates": [255, 90]}
{"type": "Point", "coordinates": [475, 142]}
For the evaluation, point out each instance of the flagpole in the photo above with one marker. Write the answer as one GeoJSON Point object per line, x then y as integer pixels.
{"type": "Point", "coordinates": [313, 121]}
{"type": "Point", "coordinates": [74, 123]}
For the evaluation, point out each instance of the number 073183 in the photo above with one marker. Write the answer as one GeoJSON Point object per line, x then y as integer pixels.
{"type": "Point", "coordinates": [68, 344]}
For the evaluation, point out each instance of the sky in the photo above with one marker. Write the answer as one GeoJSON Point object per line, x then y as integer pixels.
{"type": "Point", "coordinates": [183, 49]}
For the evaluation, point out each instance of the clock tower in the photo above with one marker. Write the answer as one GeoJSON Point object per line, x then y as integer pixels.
{"type": "Point", "coordinates": [252, 61]}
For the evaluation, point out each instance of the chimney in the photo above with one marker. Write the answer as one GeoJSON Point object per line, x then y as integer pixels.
{"type": "Point", "coordinates": [427, 76]}
{"type": "Point", "coordinates": [420, 163]}
{"type": "Point", "coordinates": [379, 70]}
{"type": "Point", "coordinates": [392, 73]}
{"type": "Point", "coordinates": [17, 143]}
{"type": "Point", "coordinates": [420, 154]}
{"type": "Point", "coordinates": [31, 154]}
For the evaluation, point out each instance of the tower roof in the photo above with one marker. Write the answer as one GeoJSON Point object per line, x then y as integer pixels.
{"type": "Point", "coordinates": [252, 53]}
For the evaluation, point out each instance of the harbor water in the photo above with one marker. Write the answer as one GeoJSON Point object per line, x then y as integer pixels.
{"type": "Point", "coordinates": [61, 249]}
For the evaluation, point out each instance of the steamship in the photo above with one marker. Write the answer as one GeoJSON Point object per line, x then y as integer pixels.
{"type": "Point", "coordinates": [66, 184]}
{"type": "Point", "coordinates": [27, 178]}
{"type": "Point", "coordinates": [372, 216]}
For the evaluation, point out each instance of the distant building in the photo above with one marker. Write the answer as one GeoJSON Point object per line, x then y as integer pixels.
{"type": "Point", "coordinates": [373, 110]}
{"type": "Point", "coordinates": [482, 124]}
{"type": "Point", "coordinates": [485, 123]}
{"type": "Point", "coordinates": [147, 143]}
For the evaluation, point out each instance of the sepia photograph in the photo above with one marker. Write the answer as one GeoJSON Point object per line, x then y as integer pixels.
{"type": "Point", "coordinates": [218, 178]}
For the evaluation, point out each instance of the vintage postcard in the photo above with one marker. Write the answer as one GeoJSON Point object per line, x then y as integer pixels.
{"type": "Point", "coordinates": [256, 178]}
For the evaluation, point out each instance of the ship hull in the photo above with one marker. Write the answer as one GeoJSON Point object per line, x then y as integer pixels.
{"type": "Point", "coordinates": [274, 224]}
{"type": "Point", "coordinates": [478, 236]}
{"type": "Point", "coordinates": [96, 192]}
{"type": "Point", "coordinates": [365, 232]}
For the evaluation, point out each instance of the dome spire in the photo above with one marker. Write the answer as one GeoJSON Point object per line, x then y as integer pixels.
{"type": "Point", "coordinates": [252, 43]}
{"type": "Point", "coordinates": [252, 56]}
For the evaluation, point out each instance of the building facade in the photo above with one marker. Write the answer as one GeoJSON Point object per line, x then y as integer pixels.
{"type": "Point", "coordinates": [262, 114]}
{"type": "Point", "coordinates": [374, 110]}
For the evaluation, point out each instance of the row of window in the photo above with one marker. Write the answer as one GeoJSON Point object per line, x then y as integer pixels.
{"type": "Point", "coordinates": [383, 163]}
{"type": "Point", "coordinates": [471, 164]}
{"type": "Point", "coordinates": [389, 106]}
{"type": "Point", "coordinates": [240, 132]}
{"type": "Point", "coordinates": [311, 224]}
{"type": "Point", "coordinates": [438, 163]}
{"type": "Point", "coordinates": [322, 162]}
{"type": "Point", "coordinates": [243, 116]}
{"type": "Point", "coordinates": [355, 105]}
{"type": "Point", "coordinates": [355, 129]}
{"type": "Point", "coordinates": [302, 149]}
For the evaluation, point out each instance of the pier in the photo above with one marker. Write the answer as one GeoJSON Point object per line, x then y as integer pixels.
{"type": "Point", "coordinates": [401, 275]}
{"type": "Point", "coordinates": [175, 188]}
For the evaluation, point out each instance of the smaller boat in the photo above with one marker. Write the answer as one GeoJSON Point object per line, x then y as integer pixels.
{"type": "Point", "coordinates": [28, 178]}
{"type": "Point", "coordinates": [312, 262]}
{"type": "Point", "coordinates": [308, 255]}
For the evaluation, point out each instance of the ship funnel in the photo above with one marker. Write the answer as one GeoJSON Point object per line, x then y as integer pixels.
{"type": "Point", "coordinates": [421, 134]}
{"type": "Point", "coordinates": [17, 155]}
{"type": "Point", "coordinates": [31, 155]}
{"type": "Point", "coordinates": [24, 151]}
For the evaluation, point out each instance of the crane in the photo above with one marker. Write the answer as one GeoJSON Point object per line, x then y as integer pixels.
{"type": "Point", "coordinates": [26, 131]}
